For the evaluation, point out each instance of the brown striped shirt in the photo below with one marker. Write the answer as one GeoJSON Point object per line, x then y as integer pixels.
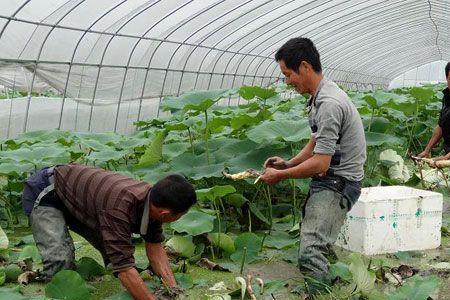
{"type": "Point", "coordinates": [109, 203]}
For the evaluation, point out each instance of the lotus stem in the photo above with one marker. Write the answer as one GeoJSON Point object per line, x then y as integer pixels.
{"type": "Point", "coordinates": [244, 256]}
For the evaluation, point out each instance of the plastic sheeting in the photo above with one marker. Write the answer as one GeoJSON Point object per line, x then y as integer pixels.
{"type": "Point", "coordinates": [137, 50]}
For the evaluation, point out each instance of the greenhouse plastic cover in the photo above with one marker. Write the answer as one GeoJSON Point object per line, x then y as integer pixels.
{"type": "Point", "coordinates": [116, 52]}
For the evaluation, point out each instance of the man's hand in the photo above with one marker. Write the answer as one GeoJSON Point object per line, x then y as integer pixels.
{"type": "Point", "coordinates": [424, 154]}
{"type": "Point", "coordinates": [160, 263]}
{"type": "Point", "coordinates": [276, 162]}
{"type": "Point", "coordinates": [271, 176]}
{"type": "Point", "coordinates": [134, 284]}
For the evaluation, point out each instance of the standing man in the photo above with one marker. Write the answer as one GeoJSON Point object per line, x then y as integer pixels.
{"type": "Point", "coordinates": [334, 156]}
{"type": "Point", "coordinates": [105, 208]}
{"type": "Point", "coordinates": [442, 130]}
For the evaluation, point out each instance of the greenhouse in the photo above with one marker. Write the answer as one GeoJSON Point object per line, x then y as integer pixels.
{"type": "Point", "coordinates": [253, 149]}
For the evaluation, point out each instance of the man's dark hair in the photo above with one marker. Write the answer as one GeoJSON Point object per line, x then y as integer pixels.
{"type": "Point", "coordinates": [447, 70]}
{"type": "Point", "coordinates": [296, 50]}
{"type": "Point", "coordinates": [173, 192]}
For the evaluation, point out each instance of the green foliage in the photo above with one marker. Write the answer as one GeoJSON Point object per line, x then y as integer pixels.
{"type": "Point", "coordinates": [250, 92]}
{"type": "Point", "coordinates": [363, 278]}
{"type": "Point", "coordinates": [417, 288]}
{"type": "Point", "coordinates": [88, 267]}
{"type": "Point", "coordinates": [184, 280]}
{"type": "Point", "coordinates": [252, 244]}
{"type": "Point", "coordinates": [223, 241]}
{"type": "Point", "coordinates": [181, 245]}
{"type": "Point", "coordinates": [30, 251]}
{"type": "Point", "coordinates": [153, 154]}
{"type": "Point", "coordinates": [67, 285]}
{"type": "Point", "coordinates": [217, 191]}
{"type": "Point", "coordinates": [12, 271]}
{"type": "Point", "coordinates": [194, 223]}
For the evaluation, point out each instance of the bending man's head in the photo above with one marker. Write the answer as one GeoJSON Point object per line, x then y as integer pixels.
{"type": "Point", "coordinates": [170, 198]}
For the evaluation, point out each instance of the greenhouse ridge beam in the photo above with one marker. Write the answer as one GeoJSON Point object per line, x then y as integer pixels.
{"type": "Point", "coordinates": [123, 35]}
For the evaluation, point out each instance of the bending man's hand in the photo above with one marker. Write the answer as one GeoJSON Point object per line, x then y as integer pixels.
{"type": "Point", "coordinates": [157, 257]}
{"type": "Point", "coordinates": [134, 284]}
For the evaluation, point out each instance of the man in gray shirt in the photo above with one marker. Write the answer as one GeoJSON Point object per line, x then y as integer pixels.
{"type": "Point", "coordinates": [334, 156]}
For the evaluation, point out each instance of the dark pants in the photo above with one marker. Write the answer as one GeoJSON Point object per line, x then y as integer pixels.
{"type": "Point", "coordinates": [50, 222]}
{"type": "Point", "coordinates": [324, 213]}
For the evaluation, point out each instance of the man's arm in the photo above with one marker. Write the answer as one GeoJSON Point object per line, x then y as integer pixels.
{"type": "Point", "coordinates": [305, 154]}
{"type": "Point", "coordinates": [159, 261]}
{"type": "Point", "coordinates": [317, 164]}
{"type": "Point", "coordinates": [437, 134]}
{"type": "Point", "coordinates": [134, 284]}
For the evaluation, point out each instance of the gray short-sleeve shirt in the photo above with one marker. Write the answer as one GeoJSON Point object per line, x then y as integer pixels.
{"type": "Point", "coordinates": [338, 130]}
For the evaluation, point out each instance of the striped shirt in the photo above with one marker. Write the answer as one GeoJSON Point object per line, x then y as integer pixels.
{"type": "Point", "coordinates": [111, 205]}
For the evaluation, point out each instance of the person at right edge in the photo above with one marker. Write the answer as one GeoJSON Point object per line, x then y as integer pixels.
{"type": "Point", "coordinates": [442, 130]}
{"type": "Point", "coordinates": [334, 158]}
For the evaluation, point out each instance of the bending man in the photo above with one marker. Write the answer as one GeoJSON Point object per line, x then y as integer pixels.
{"type": "Point", "coordinates": [105, 208]}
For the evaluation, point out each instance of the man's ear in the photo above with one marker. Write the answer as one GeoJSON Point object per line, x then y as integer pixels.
{"type": "Point", "coordinates": [165, 211]}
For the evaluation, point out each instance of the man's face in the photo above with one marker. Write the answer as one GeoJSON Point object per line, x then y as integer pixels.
{"type": "Point", "coordinates": [170, 217]}
{"type": "Point", "coordinates": [294, 79]}
{"type": "Point", "coordinates": [164, 215]}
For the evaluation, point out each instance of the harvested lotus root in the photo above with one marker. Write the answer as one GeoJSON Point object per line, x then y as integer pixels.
{"type": "Point", "coordinates": [249, 173]}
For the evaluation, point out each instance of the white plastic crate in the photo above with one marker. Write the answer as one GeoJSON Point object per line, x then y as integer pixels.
{"type": "Point", "coordinates": [388, 219]}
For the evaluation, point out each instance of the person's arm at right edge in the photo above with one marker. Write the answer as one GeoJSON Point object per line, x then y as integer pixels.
{"type": "Point", "coordinates": [134, 284]}
{"type": "Point", "coordinates": [437, 134]}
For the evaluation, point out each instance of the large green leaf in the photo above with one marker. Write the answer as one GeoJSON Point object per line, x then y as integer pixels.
{"type": "Point", "coordinates": [15, 169]}
{"type": "Point", "coordinates": [287, 130]}
{"type": "Point", "coordinates": [101, 138]}
{"type": "Point", "coordinates": [30, 251]}
{"type": "Point", "coordinates": [243, 120]}
{"type": "Point", "coordinates": [174, 149]}
{"type": "Point", "coordinates": [250, 92]}
{"type": "Point", "coordinates": [251, 242]}
{"type": "Point", "coordinates": [106, 155]}
{"type": "Point", "coordinates": [254, 159]}
{"type": "Point", "coordinates": [181, 245]}
{"type": "Point", "coordinates": [69, 285]}
{"type": "Point", "coordinates": [378, 139]}
{"type": "Point", "coordinates": [184, 280]}
{"type": "Point", "coordinates": [364, 279]}
{"type": "Point", "coordinates": [223, 241]}
{"type": "Point", "coordinates": [94, 145]}
{"type": "Point", "coordinates": [422, 94]}
{"type": "Point", "coordinates": [39, 156]}
{"type": "Point", "coordinates": [194, 223]}
{"type": "Point", "coordinates": [153, 153]}
{"type": "Point", "coordinates": [88, 267]}
{"type": "Point", "coordinates": [280, 240]}
{"type": "Point", "coordinates": [340, 270]}
{"type": "Point", "coordinates": [380, 98]}
{"type": "Point", "coordinates": [217, 191]}
{"type": "Point", "coordinates": [194, 100]}
{"type": "Point", "coordinates": [416, 288]}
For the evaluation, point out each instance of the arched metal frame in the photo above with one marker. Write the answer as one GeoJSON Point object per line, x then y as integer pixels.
{"type": "Point", "coordinates": [364, 45]}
